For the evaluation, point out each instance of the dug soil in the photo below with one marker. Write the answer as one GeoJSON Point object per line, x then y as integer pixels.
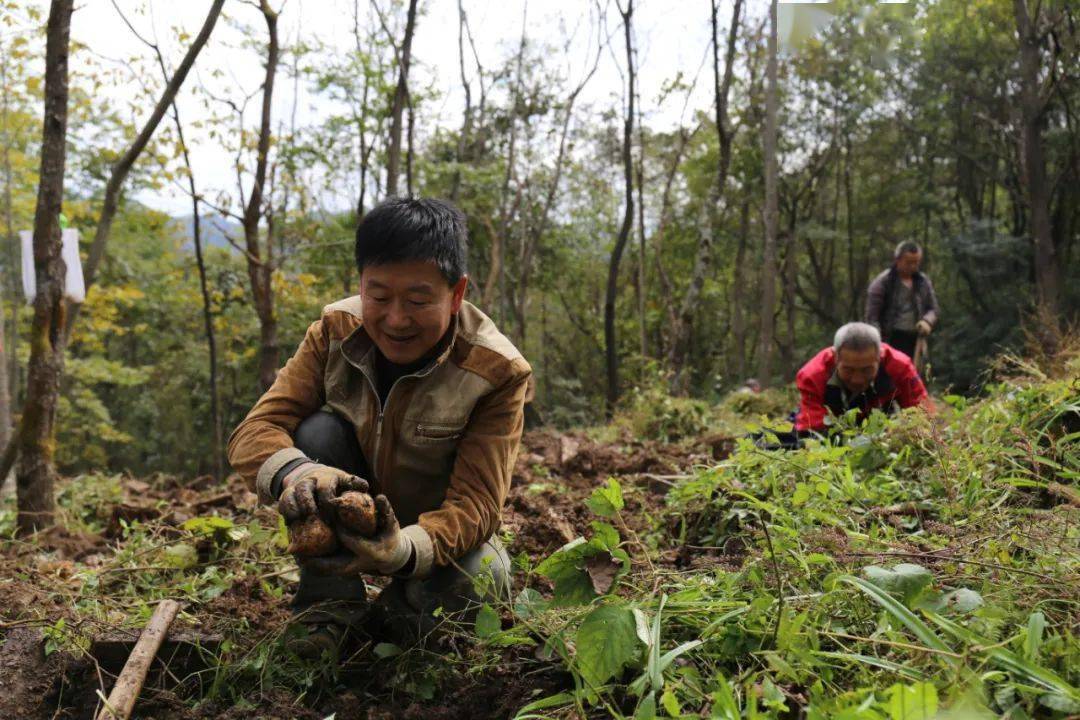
{"type": "Point", "coordinates": [546, 508]}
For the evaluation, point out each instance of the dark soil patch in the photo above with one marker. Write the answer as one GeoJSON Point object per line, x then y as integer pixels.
{"type": "Point", "coordinates": [245, 604]}
{"type": "Point", "coordinates": [555, 474]}
{"type": "Point", "coordinates": [26, 675]}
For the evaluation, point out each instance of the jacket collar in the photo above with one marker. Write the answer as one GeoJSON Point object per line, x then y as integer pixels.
{"type": "Point", "coordinates": [894, 277]}
{"type": "Point", "coordinates": [359, 349]}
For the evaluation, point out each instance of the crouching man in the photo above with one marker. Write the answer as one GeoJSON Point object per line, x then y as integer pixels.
{"type": "Point", "coordinates": [409, 393]}
{"type": "Point", "coordinates": [857, 372]}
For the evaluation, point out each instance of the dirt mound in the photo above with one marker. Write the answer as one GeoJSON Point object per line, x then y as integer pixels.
{"type": "Point", "coordinates": [546, 508]}
{"type": "Point", "coordinates": [556, 473]}
{"type": "Point", "coordinates": [23, 680]}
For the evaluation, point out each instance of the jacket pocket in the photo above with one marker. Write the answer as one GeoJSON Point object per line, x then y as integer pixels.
{"type": "Point", "coordinates": [434, 432]}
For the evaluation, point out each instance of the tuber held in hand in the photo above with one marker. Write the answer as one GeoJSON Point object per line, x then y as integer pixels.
{"type": "Point", "coordinates": [356, 513]}
{"type": "Point", "coordinates": [312, 537]}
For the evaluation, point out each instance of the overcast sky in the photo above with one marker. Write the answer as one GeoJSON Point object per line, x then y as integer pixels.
{"type": "Point", "coordinates": [672, 36]}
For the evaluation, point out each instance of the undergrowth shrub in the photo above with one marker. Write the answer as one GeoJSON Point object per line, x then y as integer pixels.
{"type": "Point", "coordinates": [773, 403]}
{"type": "Point", "coordinates": [918, 568]}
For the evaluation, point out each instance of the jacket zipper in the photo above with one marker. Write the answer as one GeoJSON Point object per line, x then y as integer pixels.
{"type": "Point", "coordinates": [382, 409]}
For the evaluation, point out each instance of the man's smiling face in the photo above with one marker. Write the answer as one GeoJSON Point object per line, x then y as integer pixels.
{"type": "Point", "coordinates": [408, 307]}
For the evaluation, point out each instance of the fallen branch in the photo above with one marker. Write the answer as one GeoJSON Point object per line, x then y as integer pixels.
{"type": "Point", "coordinates": [1066, 493]}
{"type": "Point", "coordinates": [219, 499]}
{"type": "Point", "coordinates": [903, 508]}
{"type": "Point", "coordinates": [122, 699]}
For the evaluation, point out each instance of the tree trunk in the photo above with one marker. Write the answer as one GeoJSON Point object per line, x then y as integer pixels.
{"type": "Point", "coordinates": [36, 473]}
{"type": "Point", "coordinates": [768, 265]}
{"type": "Point", "coordinates": [208, 315]}
{"type": "Point", "coordinates": [855, 290]}
{"type": "Point", "coordinates": [495, 288]}
{"type": "Point", "coordinates": [401, 96]}
{"type": "Point", "coordinates": [790, 270]}
{"type": "Point", "coordinates": [491, 285]}
{"type": "Point", "coordinates": [466, 121]}
{"type": "Point", "coordinates": [738, 313]}
{"type": "Point", "coordinates": [208, 324]}
{"type": "Point", "coordinates": [721, 86]}
{"type": "Point", "coordinates": [9, 371]}
{"type": "Point", "coordinates": [661, 228]}
{"type": "Point", "coordinates": [1033, 164]}
{"type": "Point", "coordinates": [216, 425]}
{"type": "Point", "coordinates": [534, 236]}
{"type": "Point", "coordinates": [111, 202]}
{"type": "Point", "coordinates": [611, 351]}
{"type": "Point", "coordinates": [643, 348]}
{"type": "Point", "coordinates": [409, 147]}
{"type": "Point", "coordinates": [5, 402]}
{"type": "Point", "coordinates": [260, 264]}
{"type": "Point", "coordinates": [361, 119]}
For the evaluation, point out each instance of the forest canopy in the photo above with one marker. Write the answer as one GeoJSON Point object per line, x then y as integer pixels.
{"type": "Point", "coordinates": [896, 122]}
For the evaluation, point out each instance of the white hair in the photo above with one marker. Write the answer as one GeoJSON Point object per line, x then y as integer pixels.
{"type": "Point", "coordinates": [857, 336]}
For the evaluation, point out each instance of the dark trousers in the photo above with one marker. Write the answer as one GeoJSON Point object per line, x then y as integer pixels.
{"type": "Point", "coordinates": [903, 341]}
{"type": "Point", "coordinates": [407, 606]}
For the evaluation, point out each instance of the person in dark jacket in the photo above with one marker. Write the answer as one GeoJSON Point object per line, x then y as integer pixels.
{"type": "Point", "coordinates": [858, 371]}
{"type": "Point", "coordinates": [901, 302]}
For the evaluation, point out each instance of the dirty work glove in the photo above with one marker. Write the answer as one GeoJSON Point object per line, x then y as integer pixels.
{"type": "Point", "coordinates": [310, 487]}
{"type": "Point", "coordinates": [923, 328]}
{"type": "Point", "coordinates": [386, 553]}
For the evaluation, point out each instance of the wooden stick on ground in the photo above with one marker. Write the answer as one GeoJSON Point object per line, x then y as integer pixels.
{"type": "Point", "coordinates": [128, 685]}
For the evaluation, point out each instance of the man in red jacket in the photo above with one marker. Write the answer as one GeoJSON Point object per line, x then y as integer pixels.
{"type": "Point", "coordinates": [857, 372]}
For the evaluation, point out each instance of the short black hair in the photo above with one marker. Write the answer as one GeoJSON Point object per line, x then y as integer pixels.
{"type": "Point", "coordinates": [406, 229]}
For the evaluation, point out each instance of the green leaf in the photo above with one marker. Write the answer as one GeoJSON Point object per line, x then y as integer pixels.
{"type": "Point", "coordinates": [902, 670]}
{"type": "Point", "coordinates": [529, 602]}
{"type": "Point", "coordinates": [1009, 661]}
{"type": "Point", "coordinates": [671, 704]}
{"type": "Point", "coordinates": [386, 650]}
{"type": "Point", "coordinates": [725, 706]}
{"type": "Point", "coordinates": [487, 622]}
{"type": "Point", "coordinates": [902, 615]}
{"type": "Point", "coordinates": [543, 704]}
{"type": "Point", "coordinates": [963, 600]}
{"type": "Point", "coordinates": [604, 535]}
{"type": "Point", "coordinates": [606, 501]}
{"type": "Point", "coordinates": [1062, 704]}
{"type": "Point", "coordinates": [1036, 624]}
{"type": "Point", "coordinates": [577, 568]}
{"type": "Point", "coordinates": [801, 494]}
{"type": "Point", "coordinates": [669, 657]}
{"type": "Point", "coordinates": [207, 525]}
{"type": "Point", "coordinates": [646, 709]}
{"type": "Point", "coordinates": [565, 568]}
{"type": "Point", "coordinates": [607, 641]}
{"type": "Point", "coordinates": [918, 701]}
{"type": "Point", "coordinates": [904, 579]}
{"type": "Point", "coordinates": [181, 555]}
{"type": "Point", "coordinates": [772, 695]}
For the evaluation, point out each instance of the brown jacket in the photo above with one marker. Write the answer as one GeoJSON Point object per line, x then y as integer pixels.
{"type": "Point", "coordinates": [443, 448]}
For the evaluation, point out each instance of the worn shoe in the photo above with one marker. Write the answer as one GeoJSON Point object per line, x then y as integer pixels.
{"type": "Point", "coordinates": [324, 628]}
{"type": "Point", "coordinates": [317, 641]}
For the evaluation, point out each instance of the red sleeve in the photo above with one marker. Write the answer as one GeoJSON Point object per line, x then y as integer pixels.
{"type": "Point", "coordinates": [811, 381]}
{"type": "Point", "coordinates": [910, 388]}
